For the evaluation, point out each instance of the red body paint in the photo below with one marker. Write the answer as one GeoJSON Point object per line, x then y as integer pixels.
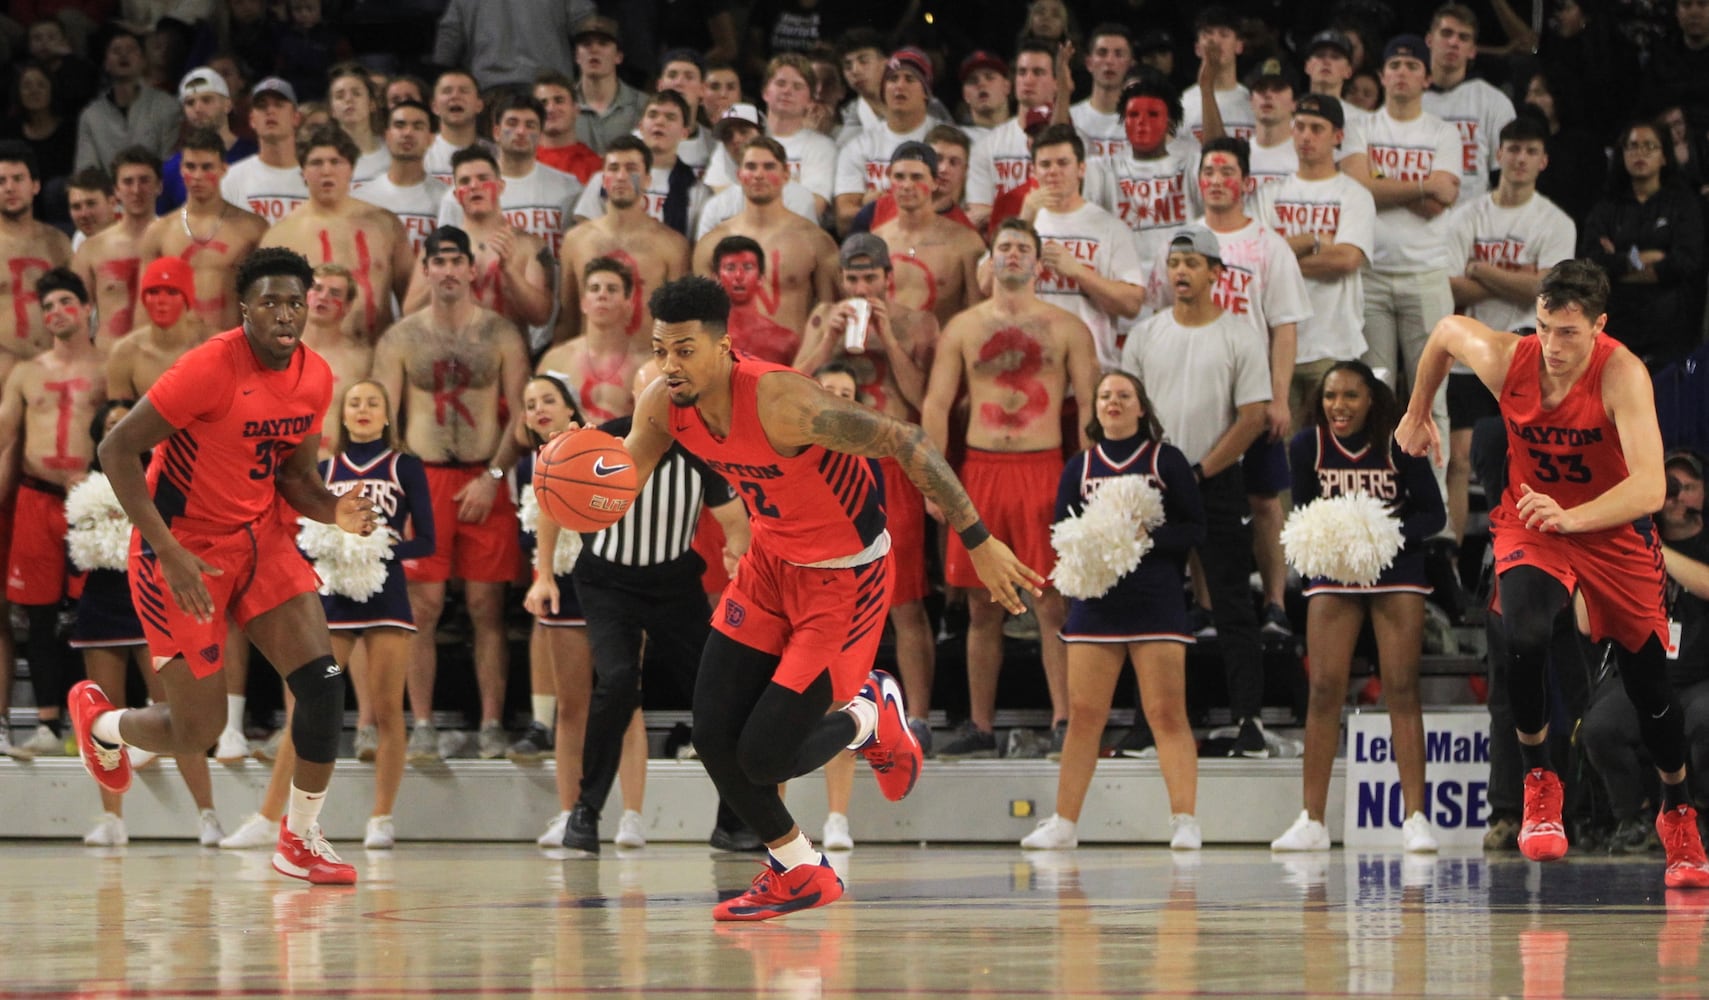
{"type": "Point", "coordinates": [61, 459]}
{"type": "Point", "coordinates": [638, 289]}
{"type": "Point", "coordinates": [931, 302]}
{"type": "Point", "coordinates": [1020, 375]}
{"type": "Point", "coordinates": [754, 333]}
{"type": "Point", "coordinates": [361, 272]}
{"type": "Point", "coordinates": [450, 378]}
{"type": "Point", "coordinates": [127, 270]}
{"type": "Point", "coordinates": [23, 292]}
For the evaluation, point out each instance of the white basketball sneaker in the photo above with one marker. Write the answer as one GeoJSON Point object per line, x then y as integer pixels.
{"type": "Point", "coordinates": [1053, 834]}
{"type": "Point", "coordinates": [1187, 834]}
{"type": "Point", "coordinates": [1306, 834]}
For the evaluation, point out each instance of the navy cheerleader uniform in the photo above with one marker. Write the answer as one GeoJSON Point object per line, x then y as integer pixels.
{"type": "Point", "coordinates": [398, 486]}
{"type": "Point", "coordinates": [1145, 605]}
{"type": "Point", "coordinates": [569, 614]}
{"type": "Point", "coordinates": [106, 618]}
{"type": "Point", "coordinates": [1328, 466]}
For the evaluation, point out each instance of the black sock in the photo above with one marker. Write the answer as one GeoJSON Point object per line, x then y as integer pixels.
{"type": "Point", "coordinates": [1535, 756]}
{"type": "Point", "coordinates": [1674, 796]}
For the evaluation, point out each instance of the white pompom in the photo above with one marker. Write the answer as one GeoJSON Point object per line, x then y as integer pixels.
{"type": "Point", "coordinates": [99, 534]}
{"type": "Point", "coordinates": [1350, 539]}
{"type": "Point", "coordinates": [569, 542]}
{"type": "Point", "coordinates": [349, 565]}
{"type": "Point", "coordinates": [1108, 539]}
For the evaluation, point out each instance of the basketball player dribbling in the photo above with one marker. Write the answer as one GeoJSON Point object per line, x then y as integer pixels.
{"type": "Point", "coordinates": [1584, 475]}
{"type": "Point", "coordinates": [796, 630]}
{"type": "Point", "coordinates": [238, 423]}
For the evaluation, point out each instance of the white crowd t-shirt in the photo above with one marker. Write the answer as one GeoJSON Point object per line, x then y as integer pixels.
{"type": "Point", "coordinates": [1098, 239]}
{"type": "Point", "coordinates": [1339, 210]}
{"type": "Point", "coordinates": [1104, 134]}
{"type": "Point", "coordinates": [416, 205]}
{"type": "Point", "coordinates": [1410, 151]}
{"type": "Point", "coordinates": [863, 164]}
{"type": "Point", "coordinates": [270, 192]}
{"type": "Point", "coordinates": [1478, 113]}
{"type": "Point", "coordinates": [1536, 234]}
{"type": "Point", "coordinates": [1235, 104]}
{"type": "Point", "coordinates": [541, 203]}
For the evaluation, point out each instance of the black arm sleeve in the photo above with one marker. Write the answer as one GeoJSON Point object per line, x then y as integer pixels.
{"type": "Point", "coordinates": [1302, 465]}
{"type": "Point", "coordinates": [414, 480]}
{"type": "Point", "coordinates": [1183, 525]}
{"type": "Point", "coordinates": [1423, 513]}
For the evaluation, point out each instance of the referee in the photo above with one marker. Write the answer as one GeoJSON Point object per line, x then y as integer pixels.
{"type": "Point", "coordinates": [641, 577]}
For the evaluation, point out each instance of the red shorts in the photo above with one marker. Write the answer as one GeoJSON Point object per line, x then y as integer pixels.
{"type": "Point", "coordinates": [239, 593]}
{"type": "Point", "coordinates": [905, 517]}
{"type": "Point", "coordinates": [1618, 571]}
{"type": "Point", "coordinates": [817, 620]}
{"type": "Point", "coordinates": [7, 506]}
{"type": "Point", "coordinates": [38, 568]}
{"type": "Point", "coordinates": [488, 552]}
{"type": "Point", "coordinates": [709, 545]}
{"type": "Point", "coordinates": [1015, 494]}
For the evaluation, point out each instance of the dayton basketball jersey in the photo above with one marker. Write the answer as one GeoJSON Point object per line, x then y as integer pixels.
{"type": "Point", "coordinates": [1571, 452]}
{"type": "Point", "coordinates": [814, 507]}
{"type": "Point", "coordinates": [237, 422]}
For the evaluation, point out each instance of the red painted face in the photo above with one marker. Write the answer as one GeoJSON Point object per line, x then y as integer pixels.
{"type": "Point", "coordinates": [1220, 182]}
{"type": "Point", "coordinates": [484, 194]}
{"type": "Point", "coordinates": [739, 273]}
{"type": "Point", "coordinates": [164, 306]}
{"type": "Point", "coordinates": [1146, 121]}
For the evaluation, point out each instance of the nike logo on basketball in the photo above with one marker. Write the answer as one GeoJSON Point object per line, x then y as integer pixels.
{"type": "Point", "coordinates": [602, 470]}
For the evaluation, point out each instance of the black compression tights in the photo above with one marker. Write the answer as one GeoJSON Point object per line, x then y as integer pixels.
{"type": "Point", "coordinates": [753, 734]}
{"type": "Point", "coordinates": [1530, 600]}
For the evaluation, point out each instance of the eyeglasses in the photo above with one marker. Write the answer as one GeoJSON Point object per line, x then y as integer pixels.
{"type": "Point", "coordinates": [1642, 147]}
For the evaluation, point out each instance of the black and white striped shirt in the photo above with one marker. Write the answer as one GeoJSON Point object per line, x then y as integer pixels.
{"type": "Point", "coordinates": [659, 530]}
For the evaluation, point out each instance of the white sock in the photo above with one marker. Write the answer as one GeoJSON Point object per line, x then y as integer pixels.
{"type": "Point", "coordinates": [865, 715]}
{"type": "Point", "coordinates": [234, 704]}
{"type": "Point", "coordinates": [545, 709]}
{"type": "Point", "coordinates": [305, 810]}
{"type": "Point", "coordinates": [796, 853]}
{"type": "Point", "coordinates": [106, 727]}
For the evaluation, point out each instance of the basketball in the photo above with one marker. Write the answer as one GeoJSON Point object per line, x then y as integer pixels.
{"type": "Point", "coordinates": [585, 480]}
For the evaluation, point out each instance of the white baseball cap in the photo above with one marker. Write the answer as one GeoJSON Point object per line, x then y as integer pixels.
{"type": "Point", "coordinates": [201, 80]}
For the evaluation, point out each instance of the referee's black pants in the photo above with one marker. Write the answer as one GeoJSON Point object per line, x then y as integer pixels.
{"type": "Point", "coordinates": [676, 621]}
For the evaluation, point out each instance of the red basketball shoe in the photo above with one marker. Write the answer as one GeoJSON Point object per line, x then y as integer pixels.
{"type": "Point", "coordinates": [1541, 836]}
{"type": "Point", "coordinates": [892, 749]}
{"type": "Point", "coordinates": [110, 766]}
{"type": "Point", "coordinates": [310, 858]}
{"type": "Point", "coordinates": [1687, 868]}
{"type": "Point", "coordinates": [776, 891]}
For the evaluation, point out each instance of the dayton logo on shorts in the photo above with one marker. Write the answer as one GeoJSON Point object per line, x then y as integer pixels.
{"type": "Point", "coordinates": [211, 654]}
{"type": "Point", "coordinates": [602, 470]}
{"type": "Point", "coordinates": [734, 614]}
{"type": "Point", "coordinates": [1514, 556]}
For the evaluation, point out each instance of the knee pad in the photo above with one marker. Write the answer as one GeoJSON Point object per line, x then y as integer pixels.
{"type": "Point", "coordinates": [319, 716]}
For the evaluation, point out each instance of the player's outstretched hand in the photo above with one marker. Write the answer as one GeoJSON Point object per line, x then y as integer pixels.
{"type": "Point", "coordinates": [1003, 573]}
{"type": "Point", "coordinates": [542, 596]}
{"type": "Point", "coordinates": [1541, 512]}
{"type": "Point", "coordinates": [356, 514]}
{"type": "Point", "coordinates": [184, 571]}
{"type": "Point", "coordinates": [1418, 436]}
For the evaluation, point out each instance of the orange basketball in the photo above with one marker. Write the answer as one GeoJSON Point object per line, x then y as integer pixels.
{"type": "Point", "coordinates": [584, 481]}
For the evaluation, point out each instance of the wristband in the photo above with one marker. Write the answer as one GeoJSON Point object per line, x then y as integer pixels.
{"type": "Point", "coordinates": [973, 535]}
{"type": "Point", "coordinates": [495, 472]}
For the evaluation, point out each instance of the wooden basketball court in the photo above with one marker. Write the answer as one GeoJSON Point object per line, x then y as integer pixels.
{"type": "Point", "coordinates": [499, 920]}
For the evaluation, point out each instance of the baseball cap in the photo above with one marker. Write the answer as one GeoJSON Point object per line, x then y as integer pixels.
{"type": "Point", "coordinates": [596, 24]}
{"type": "Point", "coordinates": [1268, 75]}
{"type": "Point", "coordinates": [913, 149]}
{"type": "Point", "coordinates": [1196, 239]}
{"type": "Point", "coordinates": [913, 61]}
{"type": "Point", "coordinates": [169, 272]}
{"type": "Point", "coordinates": [274, 85]}
{"type": "Point", "coordinates": [1330, 39]}
{"type": "Point", "coordinates": [1037, 117]}
{"type": "Point", "coordinates": [738, 113]}
{"type": "Point", "coordinates": [1410, 46]}
{"type": "Point", "coordinates": [982, 59]}
{"type": "Point", "coordinates": [876, 252]}
{"type": "Point", "coordinates": [201, 80]}
{"type": "Point", "coordinates": [1323, 106]}
{"type": "Point", "coordinates": [1687, 458]}
{"type": "Point", "coordinates": [437, 239]}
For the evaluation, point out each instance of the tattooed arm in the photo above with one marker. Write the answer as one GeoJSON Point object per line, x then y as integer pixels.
{"type": "Point", "coordinates": [796, 413]}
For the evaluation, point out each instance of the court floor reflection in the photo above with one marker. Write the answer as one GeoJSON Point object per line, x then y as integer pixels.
{"type": "Point", "coordinates": [160, 920]}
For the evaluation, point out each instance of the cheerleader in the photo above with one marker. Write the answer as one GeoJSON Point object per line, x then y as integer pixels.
{"type": "Point", "coordinates": [365, 457]}
{"type": "Point", "coordinates": [109, 636]}
{"type": "Point", "coordinates": [1349, 447]}
{"type": "Point", "coordinates": [561, 660]}
{"type": "Point", "coordinates": [1142, 617]}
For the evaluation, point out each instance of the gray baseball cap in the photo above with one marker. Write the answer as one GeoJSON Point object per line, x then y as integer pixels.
{"type": "Point", "coordinates": [876, 252]}
{"type": "Point", "coordinates": [1197, 239]}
